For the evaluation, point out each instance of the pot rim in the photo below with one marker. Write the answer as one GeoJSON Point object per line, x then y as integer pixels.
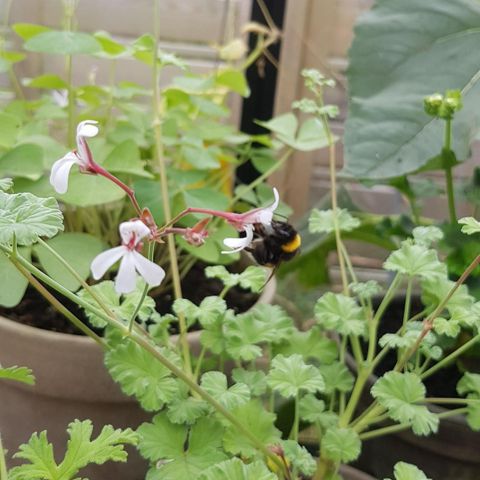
{"type": "Point", "coordinates": [266, 296]}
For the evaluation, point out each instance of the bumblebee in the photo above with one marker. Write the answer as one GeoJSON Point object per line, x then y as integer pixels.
{"type": "Point", "coordinates": [274, 243]}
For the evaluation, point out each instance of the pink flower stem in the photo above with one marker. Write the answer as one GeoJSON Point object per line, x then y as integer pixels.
{"type": "Point", "coordinates": [234, 218]}
{"type": "Point", "coordinates": [131, 194]}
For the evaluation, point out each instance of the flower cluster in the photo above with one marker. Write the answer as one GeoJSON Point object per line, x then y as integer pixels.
{"type": "Point", "coordinates": [132, 233]}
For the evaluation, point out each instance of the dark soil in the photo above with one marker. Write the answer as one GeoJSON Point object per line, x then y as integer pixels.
{"type": "Point", "coordinates": [441, 384]}
{"type": "Point", "coordinates": [35, 311]}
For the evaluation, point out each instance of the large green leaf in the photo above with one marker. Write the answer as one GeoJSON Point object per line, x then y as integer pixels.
{"type": "Point", "coordinates": [404, 50]}
{"type": "Point", "coordinates": [14, 283]}
{"type": "Point", "coordinates": [23, 161]}
{"type": "Point", "coordinates": [78, 249]}
{"type": "Point", "coordinates": [62, 43]}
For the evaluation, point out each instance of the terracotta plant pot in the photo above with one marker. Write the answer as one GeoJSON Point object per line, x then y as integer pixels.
{"type": "Point", "coordinates": [71, 382]}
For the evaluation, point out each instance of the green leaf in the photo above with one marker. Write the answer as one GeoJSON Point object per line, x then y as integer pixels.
{"type": "Point", "coordinates": [406, 471]}
{"type": "Point", "coordinates": [427, 235]}
{"type": "Point", "coordinates": [258, 421]}
{"type": "Point", "coordinates": [178, 451]}
{"type": "Point", "coordinates": [185, 409]}
{"type": "Point", "coordinates": [28, 30]}
{"type": "Point", "coordinates": [9, 131]}
{"type": "Point", "coordinates": [399, 393]}
{"type": "Point", "coordinates": [138, 374]}
{"type": "Point", "coordinates": [123, 309]}
{"type": "Point", "coordinates": [313, 410]}
{"type": "Point", "coordinates": [299, 457]}
{"type": "Point", "coordinates": [290, 375]}
{"type": "Point", "coordinates": [262, 324]}
{"type": "Point", "coordinates": [81, 451]}
{"type": "Point", "coordinates": [336, 311]}
{"type": "Point", "coordinates": [215, 383]}
{"type": "Point", "coordinates": [235, 469]}
{"type": "Point", "coordinates": [234, 80]}
{"type": "Point", "coordinates": [62, 43]}
{"type": "Point", "coordinates": [366, 290]}
{"type": "Point", "coordinates": [469, 385]}
{"type": "Point", "coordinates": [336, 377]}
{"type": "Point", "coordinates": [14, 284]}
{"type": "Point", "coordinates": [415, 260]}
{"type": "Point", "coordinates": [90, 190]}
{"type": "Point", "coordinates": [470, 225]}
{"type": "Point", "coordinates": [341, 445]}
{"type": "Point", "coordinates": [109, 47]}
{"type": "Point", "coordinates": [450, 328]}
{"type": "Point", "coordinates": [322, 221]}
{"type": "Point", "coordinates": [312, 344]}
{"type": "Point", "coordinates": [387, 133]}
{"type": "Point", "coordinates": [48, 80]}
{"type": "Point", "coordinates": [6, 184]}
{"type": "Point", "coordinates": [23, 161]}
{"type": "Point", "coordinates": [254, 379]}
{"type": "Point", "coordinates": [78, 249]}
{"type": "Point", "coordinates": [311, 135]}
{"type": "Point", "coordinates": [125, 158]}
{"type": "Point", "coordinates": [28, 217]}
{"type": "Point", "coordinates": [19, 374]}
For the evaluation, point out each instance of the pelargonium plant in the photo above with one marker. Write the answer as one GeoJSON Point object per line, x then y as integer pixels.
{"type": "Point", "coordinates": [212, 423]}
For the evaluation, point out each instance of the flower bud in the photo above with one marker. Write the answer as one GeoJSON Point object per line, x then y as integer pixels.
{"type": "Point", "coordinates": [432, 104]}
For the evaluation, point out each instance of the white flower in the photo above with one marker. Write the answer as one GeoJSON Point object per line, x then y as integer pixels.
{"type": "Point", "coordinates": [131, 260]}
{"type": "Point", "coordinates": [82, 157]}
{"type": "Point", "coordinates": [246, 222]}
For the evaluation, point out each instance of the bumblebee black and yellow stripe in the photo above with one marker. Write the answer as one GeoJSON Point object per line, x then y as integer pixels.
{"type": "Point", "coordinates": [292, 245]}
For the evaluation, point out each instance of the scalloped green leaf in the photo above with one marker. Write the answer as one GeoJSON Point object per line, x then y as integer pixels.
{"type": "Point", "coordinates": [341, 444]}
{"type": "Point", "coordinates": [28, 217]}
{"type": "Point", "coordinates": [322, 221]}
{"type": "Point", "coordinates": [19, 374]}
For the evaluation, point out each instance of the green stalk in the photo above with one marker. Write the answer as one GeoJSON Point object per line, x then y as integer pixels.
{"type": "Point", "coordinates": [144, 342]}
{"type": "Point", "coordinates": [151, 249]}
{"type": "Point", "coordinates": [448, 173]}
{"type": "Point", "coordinates": [194, 387]}
{"type": "Point", "coordinates": [69, 12]}
{"type": "Point", "coordinates": [3, 463]}
{"type": "Point", "coordinates": [296, 419]}
{"type": "Point", "coordinates": [405, 426]}
{"type": "Point", "coordinates": [58, 305]}
{"type": "Point", "coordinates": [362, 378]}
{"type": "Point", "coordinates": [450, 358]}
{"type": "Point", "coordinates": [451, 401]}
{"type": "Point", "coordinates": [333, 186]}
{"type": "Point", "coordinates": [177, 287]}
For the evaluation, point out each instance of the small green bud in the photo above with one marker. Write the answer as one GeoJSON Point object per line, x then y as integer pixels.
{"type": "Point", "coordinates": [432, 104]}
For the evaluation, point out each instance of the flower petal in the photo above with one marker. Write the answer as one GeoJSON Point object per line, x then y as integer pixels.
{"type": "Point", "coordinates": [262, 215]}
{"type": "Point", "coordinates": [134, 227]}
{"type": "Point", "coordinates": [237, 244]}
{"type": "Point", "coordinates": [126, 280]}
{"type": "Point", "coordinates": [87, 128]}
{"type": "Point", "coordinates": [102, 262]}
{"type": "Point", "coordinates": [152, 273]}
{"type": "Point", "coordinates": [60, 172]}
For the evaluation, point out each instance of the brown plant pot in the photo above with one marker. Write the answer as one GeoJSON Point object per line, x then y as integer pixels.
{"type": "Point", "coordinates": [350, 473]}
{"type": "Point", "coordinates": [71, 382]}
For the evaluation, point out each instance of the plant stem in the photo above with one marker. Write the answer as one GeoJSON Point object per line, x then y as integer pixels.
{"type": "Point", "coordinates": [194, 387]}
{"type": "Point", "coordinates": [177, 288]}
{"type": "Point", "coordinates": [451, 401]}
{"type": "Point", "coordinates": [448, 173]}
{"type": "Point", "coordinates": [3, 463]}
{"type": "Point", "coordinates": [405, 426]}
{"type": "Point", "coordinates": [428, 323]}
{"type": "Point", "coordinates": [57, 305]}
{"type": "Point", "coordinates": [354, 397]}
{"type": "Point", "coordinates": [450, 358]}
{"type": "Point", "coordinates": [296, 419]}
{"type": "Point", "coordinates": [372, 340]}
{"type": "Point", "coordinates": [198, 368]}
{"type": "Point", "coordinates": [151, 249]}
